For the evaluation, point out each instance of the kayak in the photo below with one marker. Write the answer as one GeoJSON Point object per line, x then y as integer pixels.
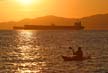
{"type": "Point", "coordinates": [65, 58]}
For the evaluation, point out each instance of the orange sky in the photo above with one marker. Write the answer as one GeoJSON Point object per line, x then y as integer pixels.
{"type": "Point", "coordinates": [14, 10]}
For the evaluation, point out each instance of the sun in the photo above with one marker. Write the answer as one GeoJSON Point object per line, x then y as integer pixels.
{"type": "Point", "coordinates": [25, 2]}
{"type": "Point", "coordinates": [29, 2]}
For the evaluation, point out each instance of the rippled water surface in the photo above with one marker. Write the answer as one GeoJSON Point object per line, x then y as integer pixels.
{"type": "Point", "coordinates": [41, 51]}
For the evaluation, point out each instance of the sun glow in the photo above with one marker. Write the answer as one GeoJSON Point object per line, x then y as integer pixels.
{"type": "Point", "coordinates": [26, 2]}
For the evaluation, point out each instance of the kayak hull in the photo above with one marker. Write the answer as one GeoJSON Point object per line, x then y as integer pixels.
{"type": "Point", "coordinates": [65, 58]}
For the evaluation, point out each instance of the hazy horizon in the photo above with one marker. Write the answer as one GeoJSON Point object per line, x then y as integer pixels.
{"type": "Point", "coordinates": [15, 10]}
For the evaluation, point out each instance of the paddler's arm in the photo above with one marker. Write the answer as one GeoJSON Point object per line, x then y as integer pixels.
{"type": "Point", "coordinates": [73, 51]}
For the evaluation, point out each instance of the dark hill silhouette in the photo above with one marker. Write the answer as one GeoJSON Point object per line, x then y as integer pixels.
{"type": "Point", "coordinates": [7, 25]}
{"type": "Point", "coordinates": [48, 20]}
{"type": "Point", "coordinates": [99, 21]}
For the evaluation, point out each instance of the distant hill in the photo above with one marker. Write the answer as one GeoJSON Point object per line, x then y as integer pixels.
{"type": "Point", "coordinates": [48, 20]}
{"type": "Point", "coordinates": [7, 25]}
{"type": "Point", "coordinates": [99, 21]}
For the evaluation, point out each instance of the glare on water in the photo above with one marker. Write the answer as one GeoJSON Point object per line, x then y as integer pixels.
{"type": "Point", "coordinates": [40, 51]}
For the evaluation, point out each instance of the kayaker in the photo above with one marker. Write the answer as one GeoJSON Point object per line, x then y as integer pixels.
{"type": "Point", "coordinates": [78, 53]}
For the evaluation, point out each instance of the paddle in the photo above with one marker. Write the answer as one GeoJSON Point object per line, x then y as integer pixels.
{"type": "Point", "coordinates": [72, 50]}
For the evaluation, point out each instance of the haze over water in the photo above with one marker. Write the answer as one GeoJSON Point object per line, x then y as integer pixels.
{"type": "Point", "coordinates": [40, 51]}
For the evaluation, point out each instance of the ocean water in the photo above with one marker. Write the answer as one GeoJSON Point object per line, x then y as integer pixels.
{"type": "Point", "coordinates": [26, 51]}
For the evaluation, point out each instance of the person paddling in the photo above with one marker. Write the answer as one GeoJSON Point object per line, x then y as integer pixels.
{"type": "Point", "coordinates": [78, 53]}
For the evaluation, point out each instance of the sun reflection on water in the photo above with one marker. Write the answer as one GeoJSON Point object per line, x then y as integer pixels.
{"type": "Point", "coordinates": [26, 33]}
{"type": "Point", "coordinates": [28, 55]}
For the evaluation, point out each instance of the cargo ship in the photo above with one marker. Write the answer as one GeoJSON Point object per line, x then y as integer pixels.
{"type": "Point", "coordinates": [76, 26]}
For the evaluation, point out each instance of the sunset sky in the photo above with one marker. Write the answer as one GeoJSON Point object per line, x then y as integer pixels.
{"type": "Point", "coordinates": [19, 9]}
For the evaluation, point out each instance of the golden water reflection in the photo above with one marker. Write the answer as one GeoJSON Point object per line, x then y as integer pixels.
{"type": "Point", "coordinates": [30, 57]}
{"type": "Point", "coordinates": [30, 68]}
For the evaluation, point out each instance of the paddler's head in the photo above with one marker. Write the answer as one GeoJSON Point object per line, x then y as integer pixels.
{"type": "Point", "coordinates": [70, 47]}
{"type": "Point", "coordinates": [79, 48]}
